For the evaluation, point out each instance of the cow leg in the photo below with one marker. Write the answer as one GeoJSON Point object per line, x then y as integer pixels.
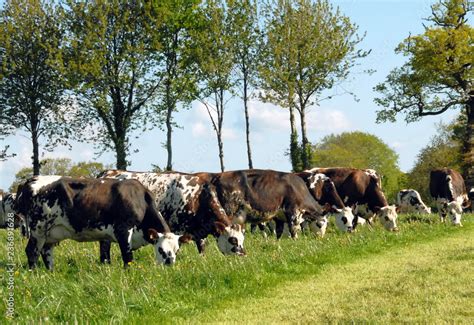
{"type": "Point", "coordinates": [253, 227]}
{"type": "Point", "coordinates": [104, 246]}
{"type": "Point", "coordinates": [47, 255]}
{"type": "Point", "coordinates": [291, 219]}
{"type": "Point", "coordinates": [123, 236]}
{"type": "Point", "coordinates": [442, 217]}
{"type": "Point", "coordinates": [33, 249]}
{"type": "Point", "coordinates": [279, 226]}
{"type": "Point", "coordinates": [201, 245]}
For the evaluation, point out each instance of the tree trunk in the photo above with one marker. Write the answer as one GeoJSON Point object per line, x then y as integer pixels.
{"type": "Point", "coordinates": [304, 140]}
{"type": "Point", "coordinates": [294, 151]}
{"type": "Point", "coordinates": [220, 122]}
{"type": "Point", "coordinates": [221, 150]}
{"type": "Point", "coordinates": [121, 153]}
{"type": "Point", "coordinates": [468, 146]}
{"type": "Point", "coordinates": [169, 128]}
{"type": "Point", "coordinates": [34, 140]}
{"type": "Point", "coordinates": [247, 125]}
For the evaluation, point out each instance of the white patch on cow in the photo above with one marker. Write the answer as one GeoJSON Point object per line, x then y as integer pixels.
{"type": "Point", "coordinates": [450, 184]}
{"type": "Point", "coordinates": [318, 227]}
{"type": "Point", "coordinates": [372, 173]}
{"type": "Point", "coordinates": [344, 219]}
{"type": "Point", "coordinates": [231, 241]}
{"type": "Point", "coordinates": [42, 181]}
{"type": "Point", "coordinates": [314, 179]}
{"type": "Point", "coordinates": [405, 199]}
{"type": "Point", "coordinates": [388, 217]}
{"type": "Point", "coordinates": [129, 239]}
{"type": "Point", "coordinates": [166, 248]}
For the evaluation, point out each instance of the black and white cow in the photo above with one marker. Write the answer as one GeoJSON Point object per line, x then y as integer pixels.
{"type": "Point", "coordinates": [361, 189]}
{"type": "Point", "coordinates": [409, 201]}
{"type": "Point", "coordinates": [257, 196]}
{"type": "Point", "coordinates": [324, 192]}
{"type": "Point", "coordinates": [7, 210]}
{"type": "Point", "coordinates": [189, 204]}
{"type": "Point", "coordinates": [93, 210]}
{"type": "Point", "coordinates": [448, 189]}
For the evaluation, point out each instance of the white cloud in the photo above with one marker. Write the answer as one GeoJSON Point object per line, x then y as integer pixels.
{"type": "Point", "coordinates": [202, 126]}
{"type": "Point", "coordinates": [267, 117]}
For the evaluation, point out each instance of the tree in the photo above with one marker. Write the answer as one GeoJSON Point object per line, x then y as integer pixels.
{"type": "Point", "coordinates": [213, 49]}
{"type": "Point", "coordinates": [61, 167]}
{"type": "Point", "coordinates": [179, 75]}
{"type": "Point", "coordinates": [31, 83]}
{"type": "Point", "coordinates": [360, 150]}
{"type": "Point", "coordinates": [114, 65]}
{"type": "Point", "coordinates": [247, 46]}
{"type": "Point", "coordinates": [316, 46]}
{"type": "Point", "coordinates": [437, 76]}
{"type": "Point", "coordinates": [443, 150]}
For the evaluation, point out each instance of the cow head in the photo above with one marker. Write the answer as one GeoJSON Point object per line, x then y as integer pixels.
{"type": "Point", "coordinates": [230, 239]}
{"type": "Point", "coordinates": [319, 226]}
{"type": "Point", "coordinates": [166, 245]}
{"type": "Point", "coordinates": [453, 210]}
{"type": "Point", "coordinates": [388, 217]}
{"type": "Point", "coordinates": [344, 219]}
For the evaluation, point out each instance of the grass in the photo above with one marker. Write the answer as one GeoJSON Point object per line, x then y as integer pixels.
{"type": "Point", "coordinates": [422, 274]}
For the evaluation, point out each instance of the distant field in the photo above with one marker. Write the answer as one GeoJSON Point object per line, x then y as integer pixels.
{"type": "Point", "coordinates": [424, 273]}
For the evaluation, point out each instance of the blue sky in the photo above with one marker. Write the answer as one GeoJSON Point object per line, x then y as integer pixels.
{"type": "Point", "coordinates": [195, 148]}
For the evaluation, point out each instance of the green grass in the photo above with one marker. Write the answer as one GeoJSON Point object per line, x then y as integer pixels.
{"type": "Point", "coordinates": [423, 273]}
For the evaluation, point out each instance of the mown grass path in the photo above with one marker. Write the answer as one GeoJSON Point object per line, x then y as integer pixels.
{"type": "Point", "coordinates": [428, 283]}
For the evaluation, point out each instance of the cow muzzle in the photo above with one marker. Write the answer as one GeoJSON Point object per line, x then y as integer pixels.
{"type": "Point", "coordinates": [238, 250]}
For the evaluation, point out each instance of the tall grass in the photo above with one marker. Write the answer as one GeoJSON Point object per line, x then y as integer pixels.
{"type": "Point", "coordinates": [82, 289]}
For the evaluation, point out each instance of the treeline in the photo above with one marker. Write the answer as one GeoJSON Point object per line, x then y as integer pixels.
{"type": "Point", "coordinates": [97, 71]}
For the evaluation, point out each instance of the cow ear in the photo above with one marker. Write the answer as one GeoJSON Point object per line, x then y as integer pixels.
{"type": "Point", "coordinates": [153, 235]}
{"type": "Point", "coordinates": [237, 226]}
{"type": "Point", "coordinates": [397, 209]}
{"type": "Point", "coordinates": [327, 208]}
{"type": "Point", "coordinates": [186, 238]}
{"type": "Point", "coordinates": [220, 227]}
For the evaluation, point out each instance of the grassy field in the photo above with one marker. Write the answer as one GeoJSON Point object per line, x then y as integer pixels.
{"type": "Point", "coordinates": [421, 274]}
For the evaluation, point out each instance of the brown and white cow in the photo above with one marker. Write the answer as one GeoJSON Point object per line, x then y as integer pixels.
{"type": "Point", "coordinates": [448, 189]}
{"type": "Point", "coordinates": [190, 205]}
{"type": "Point", "coordinates": [324, 192]}
{"type": "Point", "coordinates": [257, 196]}
{"type": "Point", "coordinates": [409, 201]}
{"type": "Point", "coordinates": [361, 189]}
{"type": "Point", "coordinates": [93, 210]}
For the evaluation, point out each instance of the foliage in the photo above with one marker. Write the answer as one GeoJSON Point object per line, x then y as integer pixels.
{"type": "Point", "coordinates": [60, 166]}
{"type": "Point", "coordinates": [114, 64]}
{"type": "Point", "coordinates": [206, 288]}
{"type": "Point", "coordinates": [443, 150]}
{"type": "Point", "coordinates": [31, 83]}
{"type": "Point", "coordinates": [310, 46]}
{"type": "Point", "coordinates": [437, 75]}
{"type": "Point", "coordinates": [360, 150]}
{"type": "Point", "coordinates": [213, 50]}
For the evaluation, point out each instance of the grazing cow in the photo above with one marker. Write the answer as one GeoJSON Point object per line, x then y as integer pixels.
{"type": "Point", "coordinates": [361, 189]}
{"type": "Point", "coordinates": [189, 204]}
{"type": "Point", "coordinates": [93, 210]}
{"type": "Point", "coordinates": [324, 192]}
{"type": "Point", "coordinates": [409, 201]}
{"type": "Point", "coordinates": [448, 189]}
{"type": "Point", "coordinates": [257, 196]}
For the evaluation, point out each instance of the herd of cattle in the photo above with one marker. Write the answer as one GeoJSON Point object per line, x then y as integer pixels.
{"type": "Point", "coordinates": [139, 208]}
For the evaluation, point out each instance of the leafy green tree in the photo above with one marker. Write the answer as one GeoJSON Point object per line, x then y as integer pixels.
{"type": "Point", "coordinates": [114, 63]}
{"type": "Point", "coordinates": [438, 74]}
{"type": "Point", "coordinates": [360, 150]}
{"type": "Point", "coordinates": [213, 50]}
{"type": "Point", "coordinates": [247, 46]}
{"type": "Point", "coordinates": [31, 82]}
{"type": "Point", "coordinates": [311, 46]}
{"type": "Point", "coordinates": [179, 84]}
{"type": "Point", "coordinates": [443, 150]}
{"type": "Point", "coordinates": [62, 167]}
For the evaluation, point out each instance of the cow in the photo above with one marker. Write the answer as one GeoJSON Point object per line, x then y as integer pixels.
{"type": "Point", "coordinates": [257, 196]}
{"type": "Point", "coordinates": [92, 210]}
{"type": "Point", "coordinates": [470, 195]}
{"type": "Point", "coordinates": [7, 210]}
{"type": "Point", "coordinates": [190, 205]}
{"type": "Point", "coordinates": [324, 192]}
{"type": "Point", "coordinates": [361, 189]}
{"type": "Point", "coordinates": [409, 201]}
{"type": "Point", "coordinates": [448, 189]}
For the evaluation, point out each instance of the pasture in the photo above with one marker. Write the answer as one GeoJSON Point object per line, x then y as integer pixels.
{"type": "Point", "coordinates": [421, 274]}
